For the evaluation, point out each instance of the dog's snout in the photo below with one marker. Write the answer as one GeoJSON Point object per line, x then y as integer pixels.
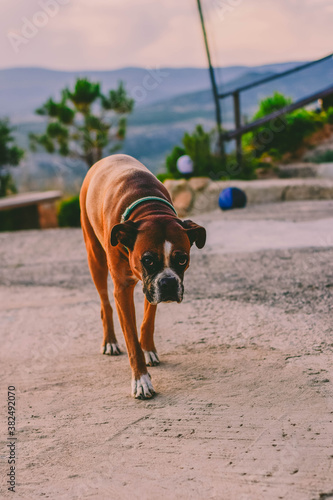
{"type": "Point", "coordinates": [169, 289]}
{"type": "Point", "coordinates": [168, 283]}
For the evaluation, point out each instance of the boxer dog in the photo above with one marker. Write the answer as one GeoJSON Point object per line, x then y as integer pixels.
{"type": "Point", "coordinates": [131, 228]}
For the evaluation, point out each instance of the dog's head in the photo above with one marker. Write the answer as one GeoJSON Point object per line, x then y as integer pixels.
{"type": "Point", "coordinates": [159, 253]}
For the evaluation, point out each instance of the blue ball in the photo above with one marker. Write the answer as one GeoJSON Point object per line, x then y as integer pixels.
{"type": "Point", "coordinates": [232, 197]}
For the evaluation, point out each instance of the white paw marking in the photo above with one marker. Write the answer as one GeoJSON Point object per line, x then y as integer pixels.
{"type": "Point", "coordinates": [111, 349]}
{"type": "Point", "coordinates": [151, 358]}
{"type": "Point", "coordinates": [142, 388]}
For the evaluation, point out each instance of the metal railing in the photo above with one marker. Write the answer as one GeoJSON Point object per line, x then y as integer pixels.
{"type": "Point", "coordinates": [275, 77]}
{"type": "Point", "coordinates": [243, 129]}
{"type": "Point", "coordinates": [239, 129]}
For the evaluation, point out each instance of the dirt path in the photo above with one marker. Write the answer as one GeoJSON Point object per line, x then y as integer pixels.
{"type": "Point", "coordinates": [244, 407]}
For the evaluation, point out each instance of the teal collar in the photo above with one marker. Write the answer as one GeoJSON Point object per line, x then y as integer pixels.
{"type": "Point", "coordinates": [133, 205]}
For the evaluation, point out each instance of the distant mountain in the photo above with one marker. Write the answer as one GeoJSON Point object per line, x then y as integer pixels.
{"type": "Point", "coordinates": [22, 90]}
{"type": "Point", "coordinates": [180, 99]}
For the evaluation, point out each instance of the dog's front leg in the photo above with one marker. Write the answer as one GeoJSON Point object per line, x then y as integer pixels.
{"type": "Point", "coordinates": [142, 387]}
{"type": "Point", "coordinates": [147, 335]}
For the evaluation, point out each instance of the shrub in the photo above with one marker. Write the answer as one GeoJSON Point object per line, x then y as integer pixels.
{"type": "Point", "coordinates": [293, 128]}
{"type": "Point", "coordinates": [10, 155]}
{"type": "Point", "coordinates": [328, 102]}
{"type": "Point", "coordinates": [198, 146]}
{"type": "Point", "coordinates": [245, 170]}
{"type": "Point", "coordinates": [270, 104]}
{"type": "Point", "coordinates": [7, 185]}
{"type": "Point", "coordinates": [20, 218]}
{"type": "Point", "coordinates": [329, 115]}
{"type": "Point", "coordinates": [322, 157]}
{"type": "Point", "coordinates": [171, 162]}
{"type": "Point", "coordinates": [163, 176]}
{"type": "Point", "coordinates": [69, 212]}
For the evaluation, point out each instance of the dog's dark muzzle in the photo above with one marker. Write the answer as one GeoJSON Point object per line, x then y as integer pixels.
{"type": "Point", "coordinates": [169, 290]}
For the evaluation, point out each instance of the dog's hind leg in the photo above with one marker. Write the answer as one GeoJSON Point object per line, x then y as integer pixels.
{"type": "Point", "coordinates": [99, 273]}
{"type": "Point", "coordinates": [147, 335]}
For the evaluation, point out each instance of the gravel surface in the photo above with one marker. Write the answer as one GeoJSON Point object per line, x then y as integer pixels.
{"type": "Point", "coordinates": [244, 407]}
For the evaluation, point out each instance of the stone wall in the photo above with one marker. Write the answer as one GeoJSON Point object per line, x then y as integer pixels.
{"type": "Point", "coordinates": [201, 194]}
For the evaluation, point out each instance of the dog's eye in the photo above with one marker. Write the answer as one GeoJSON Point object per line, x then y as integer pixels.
{"type": "Point", "coordinates": [182, 261]}
{"type": "Point", "coordinates": [148, 261]}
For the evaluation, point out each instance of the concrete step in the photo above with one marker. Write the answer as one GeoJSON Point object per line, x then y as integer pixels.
{"type": "Point", "coordinates": [305, 170]}
{"type": "Point", "coordinates": [196, 197]}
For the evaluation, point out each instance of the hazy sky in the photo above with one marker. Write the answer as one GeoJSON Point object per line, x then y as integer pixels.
{"type": "Point", "coordinates": [105, 34]}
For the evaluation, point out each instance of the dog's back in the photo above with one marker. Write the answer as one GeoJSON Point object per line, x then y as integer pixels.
{"type": "Point", "coordinates": [111, 185]}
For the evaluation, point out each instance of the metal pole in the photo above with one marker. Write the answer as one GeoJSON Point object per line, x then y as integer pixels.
{"type": "Point", "coordinates": [238, 124]}
{"type": "Point", "coordinates": [214, 86]}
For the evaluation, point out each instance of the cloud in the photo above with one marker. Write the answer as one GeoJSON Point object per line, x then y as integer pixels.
{"type": "Point", "coordinates": [106, 34]}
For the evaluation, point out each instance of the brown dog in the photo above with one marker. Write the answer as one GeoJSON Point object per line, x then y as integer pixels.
{"type": "Point", "coordinates": [131, 228]}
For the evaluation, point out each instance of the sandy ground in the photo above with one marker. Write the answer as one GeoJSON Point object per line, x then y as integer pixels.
{"type": "Point", "coordinates": [244, 407]}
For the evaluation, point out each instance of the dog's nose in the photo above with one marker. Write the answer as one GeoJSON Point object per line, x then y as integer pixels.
{"type": "Point", "coordinates": [169, 283]}
{"type": "Point", "coordinates": [170, 289]}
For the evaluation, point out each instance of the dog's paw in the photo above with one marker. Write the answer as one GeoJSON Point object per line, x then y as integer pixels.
{"type": "Point", "coordinates": [111, 349]}
{"type": "Point", "coordinates": [151, 358]}
{"type": "Point", "coordinates": [142, 388]}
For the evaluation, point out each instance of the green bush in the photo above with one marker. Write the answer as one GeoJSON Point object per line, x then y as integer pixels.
{"type": "Point", "coordinates": [198, 146]}
{"type": "Point", "coordinates": [7, 185]}
{"type": "Point", "coordinates": [329, 115]}
{"type": "Point", "coordinates": [322, 157]}
{"type": "Point", "coordinates": [288, 132]}
{"type": "Point", "coordinates": [10, 155]}
{"type": "Point", "coordinates": [162, 176]}
{"type": "Point", "coordinates": [171, 162]}
{"type": "Point", "coordinates": [270, 104]}
{"type": "Point", "coordinates": [69, 212]}
{"type": "Point", "coordinates": [245, 170]}
{"type": "Point", "coordinates": [328, 102]}
{"type": "Point", "coordinates": [20, 218]}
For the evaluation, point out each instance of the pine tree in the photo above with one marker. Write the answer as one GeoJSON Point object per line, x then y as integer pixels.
{"type": "Point", "coordinates": [84, 122]}
{"type": "Point", "coordinates": [10, 155]}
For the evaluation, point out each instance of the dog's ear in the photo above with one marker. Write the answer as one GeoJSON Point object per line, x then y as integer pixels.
{"type": "Point", "coordinates": [124, 233]}
{"type": "Point", "coordinates": [195, 233]}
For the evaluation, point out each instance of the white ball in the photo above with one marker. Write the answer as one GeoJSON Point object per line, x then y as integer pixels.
{"type": "Point", "coordinates": [185, 164]}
